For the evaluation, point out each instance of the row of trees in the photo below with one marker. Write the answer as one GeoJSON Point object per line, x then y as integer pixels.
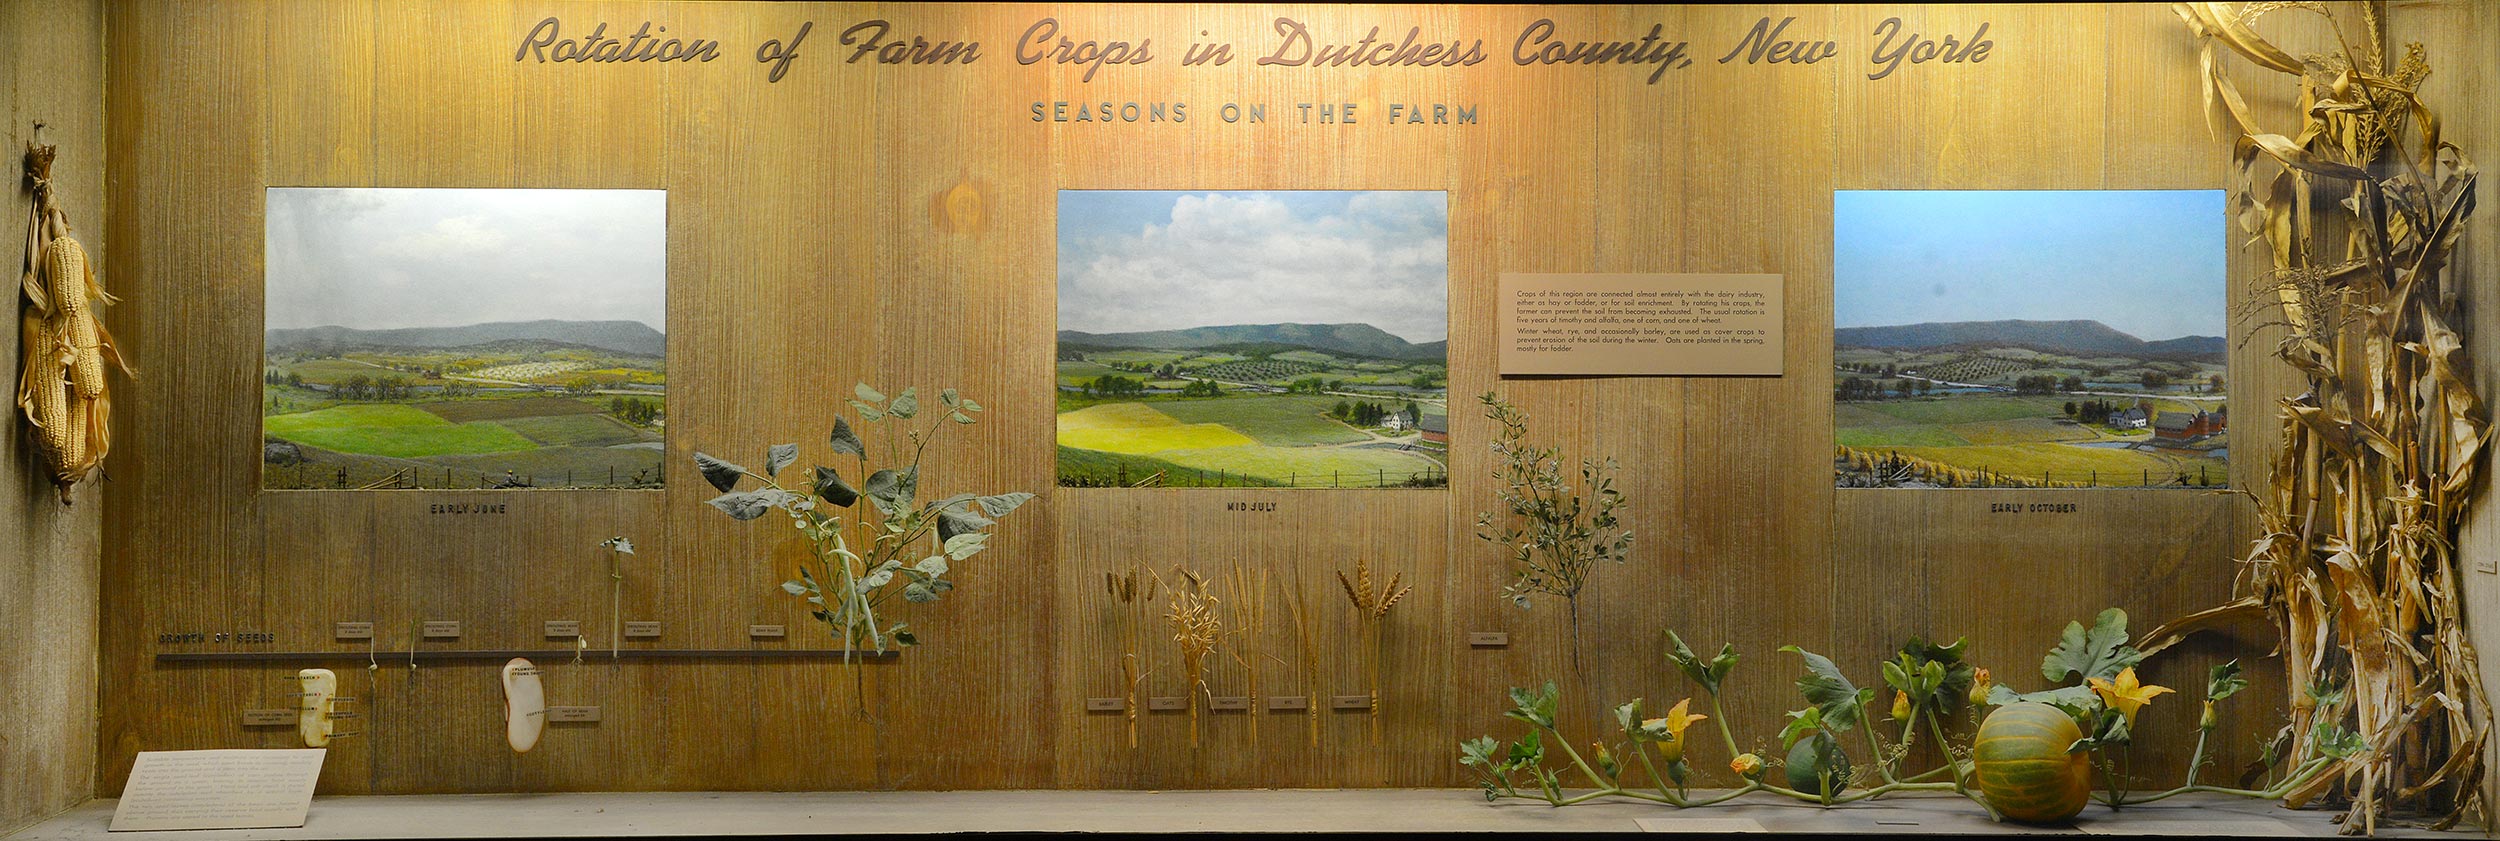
{"type": "Point", "coordinates": [1856, 388]}
{"type": "Point", "coordinates": [2095, 411]}
{"type": "Point", "coordinates": [634, 410]}
{"type": "Point", "coordinates": [1114, 385]}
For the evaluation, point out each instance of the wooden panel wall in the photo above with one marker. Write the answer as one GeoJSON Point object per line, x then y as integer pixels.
{"type": "Point", "coordinates": [51, 72]}
{"type": "Point", "coordinates": [896, 225]}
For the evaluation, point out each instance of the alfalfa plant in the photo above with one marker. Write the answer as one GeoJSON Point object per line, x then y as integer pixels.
{"type": "Point", "coordinates": [897, 546]}
{"type": "Point", "coordinates": [1196, 628]}
{"type": "Point", "coordinates": [1127, 590]}
{"type": "Point", "coordinates": [1371, 601]}
{"type": "Point", "coordinates": [1556, 530]}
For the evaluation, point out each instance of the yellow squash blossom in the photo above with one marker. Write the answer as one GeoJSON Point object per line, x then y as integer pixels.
{"type": "Point", "coordinates": [1746, 765]}
{"type": "Point", "coordinates": [1669, 729]}
{"type": "Point", "coordinates": [1979, 684]}
{"type": "Point", "coordinates": [1900, 704]}
{"type": "Point", "coordinates": [2125, 695]}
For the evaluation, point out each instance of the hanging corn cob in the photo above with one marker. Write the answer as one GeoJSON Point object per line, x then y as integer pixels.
{"type": "Point", "coordinates": [61, 385]}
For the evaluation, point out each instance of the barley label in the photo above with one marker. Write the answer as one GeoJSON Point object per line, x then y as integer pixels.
{"type": "Point", "coordinates": [1641, 324]}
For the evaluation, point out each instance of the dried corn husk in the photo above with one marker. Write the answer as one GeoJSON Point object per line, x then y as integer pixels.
{"type": "Point", "coordinates": [61, 387]}
{"type": "Point", "coordinates": [2357, 566]}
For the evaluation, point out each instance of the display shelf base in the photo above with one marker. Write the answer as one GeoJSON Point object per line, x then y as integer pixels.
{"type": "Point", "coordinates": [614, 814]}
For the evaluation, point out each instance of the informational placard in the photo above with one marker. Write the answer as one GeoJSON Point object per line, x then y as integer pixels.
{"type": "Point", "coordinates": [218, 789]}
{"type": "Point", "coordinates": [1641, 324]}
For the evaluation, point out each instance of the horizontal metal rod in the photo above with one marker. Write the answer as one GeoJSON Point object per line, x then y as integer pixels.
{"type": "Point", "coordinates": [566, 655]}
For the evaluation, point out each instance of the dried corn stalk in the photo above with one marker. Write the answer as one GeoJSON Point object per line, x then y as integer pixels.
{"type": "Point", "coordinates": [2360, 208]}
{"type": "Point", "coordinates": [1371, 602]}
{"type": "Point", "coordinates": [61, 382]}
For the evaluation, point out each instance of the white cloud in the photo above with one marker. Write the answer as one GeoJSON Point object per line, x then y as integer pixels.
{"type": "Point", "coordinates": [1259, 258]}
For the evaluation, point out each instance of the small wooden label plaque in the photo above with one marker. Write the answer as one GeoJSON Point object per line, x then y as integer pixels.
{"type": "Point", "coordinates": [441, 629]}
{"type": "Point", "coordinates": [1288, 702]}
{"type": "Point", "coordinates": [1105, 705]}
{"type": "Point", "coordinates": [1166, 703]}
{"type": "Point", "coordinates": [352, 631]}
{"type": "Point", "coordinates": [642, 630]}
{"type": "Point", "coordinates": [1488, 639]}
{"type": "Point", "coordinates": [1234, 702]}
{"type": "Point", "coordinates": [768, 632]}
{"type": "Point", "coordinates": [572, 714]}
{"type": "Point", "coordinates": [1350, 702]}
{"type": "Point", "coordinates": [268, 718]}
{"type": "Point", "coordinates": [564, 628]}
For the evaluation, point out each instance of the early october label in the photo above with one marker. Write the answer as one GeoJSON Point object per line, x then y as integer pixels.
{"type": "Point", "coordinates": [1642, 324]}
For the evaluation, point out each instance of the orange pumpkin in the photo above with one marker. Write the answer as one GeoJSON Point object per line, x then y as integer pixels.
{"type": "Point", "coordinates": [2023, 768]}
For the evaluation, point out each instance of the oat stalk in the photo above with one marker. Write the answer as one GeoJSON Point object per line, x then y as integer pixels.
{"type": "Point", "coordinates": [1196, 628]}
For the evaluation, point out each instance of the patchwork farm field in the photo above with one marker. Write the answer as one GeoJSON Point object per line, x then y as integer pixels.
{"type": "Point", "coordinates": [471, 442]}
{"type": "Point", "coordinates": [1249, 440]}
{"type": "Point", "coordinates": [2027, 439]}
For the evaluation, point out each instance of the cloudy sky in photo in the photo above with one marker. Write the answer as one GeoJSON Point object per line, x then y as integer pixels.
{"type": "Point", "coordinates": [378, 258]}
{"type": "Point", "coordinates": [2151, 263]}
{"type": "Point", "coordinates": [1162, 260]}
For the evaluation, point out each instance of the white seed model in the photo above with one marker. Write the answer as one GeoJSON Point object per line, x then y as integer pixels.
{"type": "Point", "coordinates": [318, 702]}
{"type": "Point", "coordinates": [524, 705]}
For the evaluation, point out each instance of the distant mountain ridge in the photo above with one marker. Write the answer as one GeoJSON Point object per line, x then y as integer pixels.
{"type": "Point", "coordinates": [629, 337]}
{"type": "Point", "coordinates": [2082, 336]}
{"type": "Point", "coordinates": [1354, 339]}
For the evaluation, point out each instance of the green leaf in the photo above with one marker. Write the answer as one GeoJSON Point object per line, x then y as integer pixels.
{"type": "Point", "coordinates": [970, 406]}
{"type": "Point", "coordinates": [1628, 717]}
{"type": "Point", "coordinates": [1829, 691]}
{"type": "Point", "coordinates": [999, 504]}
{"type": "Point", "coordinates": [868, 394]}
{"type": "Point", "coordinates": [750, 504]}
{"type": "Point", "coordinates": [892, 490]}
{"type": "Point", "coordinates": [2332, 739]}
{"type": "Point", "coordinates": [779, 456]}
{"type": "Point", "coordinates": [959, 521]}
{"type": "Point", "coordinates": [966, 545]}
{"type": "Point", "coordinates": [794, 588]}
{"type": "Point", "coordinates": [2075, 700]}
{"type": "Point", "coordinates": [868, 413]}
{"type": "Point", "coordinates": [1800, 723]}
{"type": "Point", "coordinates": [903, 637]}
{"type": "Point", "coordinates": [2224, 681]}
{"type": "Point", "coordinates": [918, 593]}
{"type": "Point", "coordinates": [905, 404]}
{"type": "Point", "coordinates": [1529, 750]}
{"type": "Point", "coordinates": [959, 417]}
{"type": "Point", "coordinates": [1478, 752]}
{"type": "Point", "coordinates": [831, 488]}
{"type": "Point", "coordinates": [931, 565]}
{"type": "Point", "coordinates": [723, 475]}
{"type": "Point", "coordinates": [1709, 674]}
{"type": "Point", "coordinates": [1535, 707]}
{"type": "Point", "coordinates": [845, 441]}
{"type": "Point", "coordinates": [2101, 652]}
{"type": "Point", "coordinates": [1958, 674]}
{"type": "Point", "coordinates": [949, 397]}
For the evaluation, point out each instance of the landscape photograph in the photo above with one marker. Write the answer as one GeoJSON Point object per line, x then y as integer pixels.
{"type": "Point", "coordinates": [464, 338]}
{"type": "Point", "coordinates": [2030, 339]}
{"type": "Point", "coordinates": [1280, 339]}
